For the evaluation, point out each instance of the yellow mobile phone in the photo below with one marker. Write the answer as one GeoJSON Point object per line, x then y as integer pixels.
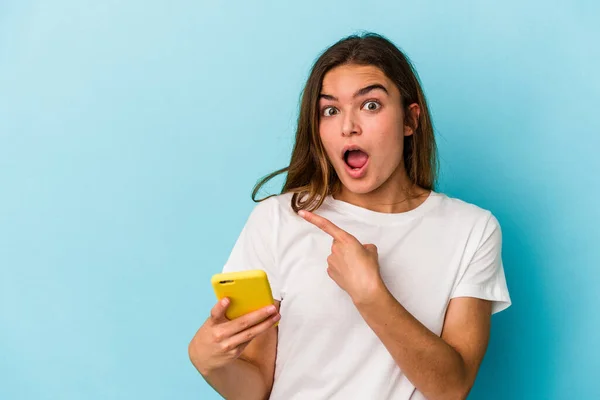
{"type": "Point", "coordinates": [247, 291]}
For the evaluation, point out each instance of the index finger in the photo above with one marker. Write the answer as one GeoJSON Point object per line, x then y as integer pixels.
{"type": "Point", "coordinates": [325, 225]}
{"type": "Point", "coordinates": [251, 319]}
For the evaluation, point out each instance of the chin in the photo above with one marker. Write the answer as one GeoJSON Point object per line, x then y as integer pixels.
{"type": "Point", "coordinates": [359, 187]}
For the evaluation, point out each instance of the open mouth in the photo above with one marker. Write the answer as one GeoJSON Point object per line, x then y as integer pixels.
{"type": "Point", "coordinates": [355, 159]}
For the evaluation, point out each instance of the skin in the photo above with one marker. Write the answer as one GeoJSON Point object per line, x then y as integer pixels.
{"type": "Point", "coordinates": [373, 120]}
{"type": "Point", "coordinates": [237, 357]}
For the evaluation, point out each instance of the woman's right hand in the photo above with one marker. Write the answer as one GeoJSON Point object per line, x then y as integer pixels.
{"type": "Point", "coordinates": [219, 340]}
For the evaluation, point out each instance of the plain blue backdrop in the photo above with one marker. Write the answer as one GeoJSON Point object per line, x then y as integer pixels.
{"type": "Point", "coordinates": [131, 134]}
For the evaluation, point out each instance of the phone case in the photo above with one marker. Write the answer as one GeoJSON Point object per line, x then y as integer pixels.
{"type": "Point", "coordinates": [247, 291]}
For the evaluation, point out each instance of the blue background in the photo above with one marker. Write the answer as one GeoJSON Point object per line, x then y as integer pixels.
{"type": "Point", "coordinates": [131, 134]}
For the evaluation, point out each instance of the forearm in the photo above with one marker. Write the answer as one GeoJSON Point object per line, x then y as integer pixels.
{"type": "Point", "coordinates": [435, 368]}
{"type": "Point", "coordinates": [240, 379]}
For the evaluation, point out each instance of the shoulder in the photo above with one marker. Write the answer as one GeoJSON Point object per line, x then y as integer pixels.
{"type": "Point", "coordinates": [273, 208]}
{"type": "Point", "coordinates": [274, 203]}
{"type": "Point", "coordinates": [462, 212]}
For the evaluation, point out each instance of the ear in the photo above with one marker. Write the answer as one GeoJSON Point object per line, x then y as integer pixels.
{"type": "Point", "coordinates": [411, 119]}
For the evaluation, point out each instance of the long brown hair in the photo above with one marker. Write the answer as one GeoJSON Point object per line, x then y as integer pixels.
{"type": "Point", "coordinates": [310, 175]}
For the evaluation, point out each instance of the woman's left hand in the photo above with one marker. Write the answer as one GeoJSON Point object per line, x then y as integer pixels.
{"type": "Point", "coordinates": [352, 265]}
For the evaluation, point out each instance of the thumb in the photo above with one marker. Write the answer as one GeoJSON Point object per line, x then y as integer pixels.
{"type": "Point", "coordinates": [217, 314]}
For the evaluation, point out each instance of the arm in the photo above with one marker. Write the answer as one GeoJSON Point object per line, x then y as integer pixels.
{"type": "Point", "coordinates": [440, 368]}
{"type": "Point", "coordinates": [250, 375]}
{"type": "Point", "coordinates": [240, 379]}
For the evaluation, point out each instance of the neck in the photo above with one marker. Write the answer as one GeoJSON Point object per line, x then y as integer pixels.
{"type": "Point", "coordinates": [387, 198]}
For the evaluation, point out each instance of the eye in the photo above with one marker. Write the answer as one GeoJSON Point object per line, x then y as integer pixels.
{"type": "Point", "coordinates": [329, 111]}
{"type": "Point", "coordinates": [372, 105]}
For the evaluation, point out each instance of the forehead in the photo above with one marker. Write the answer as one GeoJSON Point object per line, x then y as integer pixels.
{"type": "Point", "coordinates": [345, 79]}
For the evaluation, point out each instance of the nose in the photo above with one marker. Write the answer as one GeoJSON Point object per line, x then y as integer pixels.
{"type": "Point", "coordinates": [350, 125]}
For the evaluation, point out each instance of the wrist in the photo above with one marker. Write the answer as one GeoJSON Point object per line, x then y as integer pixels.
{"type": "Point", "coordinates": [370, 294]}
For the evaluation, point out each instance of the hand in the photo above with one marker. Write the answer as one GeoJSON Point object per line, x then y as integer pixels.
{"type": "Point", "coordinates": [219, 340]}
{"type": "Point", "coordinates": [352, 265]}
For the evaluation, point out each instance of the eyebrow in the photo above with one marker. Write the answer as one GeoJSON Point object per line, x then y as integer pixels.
{"type": "Point", "coordinates": [360, 92]}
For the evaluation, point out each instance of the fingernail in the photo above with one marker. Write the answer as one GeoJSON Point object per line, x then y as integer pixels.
{"type": "Point", "coordinates": [271, 309]}
{"type": "Point", "coordinates": [302, 213]}
{"type": "Point", "coordinates": [225, 301]}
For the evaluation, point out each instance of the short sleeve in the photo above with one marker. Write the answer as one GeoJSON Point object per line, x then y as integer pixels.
{"type": "Point", "coordinates": [255, 246]}
{"type": "Point", "coordinates": [484, 276]}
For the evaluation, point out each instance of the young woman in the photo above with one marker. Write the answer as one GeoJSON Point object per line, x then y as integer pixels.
{"type": "Point", "coordinates": [384, 288]}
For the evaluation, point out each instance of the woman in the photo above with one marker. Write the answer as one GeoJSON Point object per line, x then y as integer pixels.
{"type": "Point", "coordinates": [384, 288]}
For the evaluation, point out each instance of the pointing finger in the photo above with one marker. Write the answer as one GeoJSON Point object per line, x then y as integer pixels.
{"type": "Point", "coordinates": [325, 225]}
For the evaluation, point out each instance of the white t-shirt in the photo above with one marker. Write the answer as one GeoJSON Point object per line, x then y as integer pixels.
{"type": "Point", "coordinates": [444, 248]}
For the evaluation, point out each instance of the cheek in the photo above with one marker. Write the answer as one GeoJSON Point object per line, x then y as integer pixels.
{"type": "Point", "coordinates": [326, 128]}
{"type": "Point", "coordinates": [389, 156]}
{"type": "Point", "coordinates": [328, 138]}
{"type": "Point", "coordinates": [387, 136]}
{"type": "Point", "coordinates": [387, 122]}
{"type": "Point", "coordinates": [389, 153]}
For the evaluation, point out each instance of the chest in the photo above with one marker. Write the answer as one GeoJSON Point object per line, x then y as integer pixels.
{"type": "Point", "coordinates": [418, 267]}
